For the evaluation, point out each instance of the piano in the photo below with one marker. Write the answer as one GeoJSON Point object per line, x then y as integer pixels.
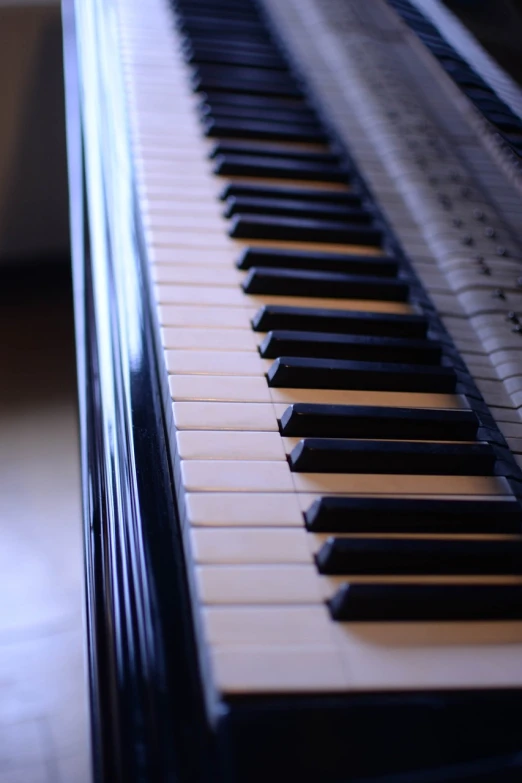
{"type": "Point", "coordinates": [297, 270]}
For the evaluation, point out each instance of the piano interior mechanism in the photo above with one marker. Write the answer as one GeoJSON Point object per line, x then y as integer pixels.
{"type": "Point", "coordinates": [298, 291]}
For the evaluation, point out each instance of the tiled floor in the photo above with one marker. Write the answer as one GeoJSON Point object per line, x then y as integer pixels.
{"type": "Point", "coordinates": [43, 712]}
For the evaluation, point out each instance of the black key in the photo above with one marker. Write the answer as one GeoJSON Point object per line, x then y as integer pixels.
{"type": "Point", "coordinates": [272, 317]}
{"type": "Point", "coordinates": [381, 603]}
{"type": "Point", "coordinates": [321, 262]}
{"type": "Point", "coordinates": [290, 192]}
{"type": "Point", "coordinates": [238, 85]}
{"type": "Point", "coordinates": [235, 148]}
{"type": "Point", "coordinates": [296, 117]}
{"type": "Point", "coordinates": [248, 129]}
{"type": "Point", "coordinates": [300, 209]}
{"type": "Point", "coordinates": [289, 282]}
{"type": "Point", "coordinates": [224, 56]}
{"type": "Point", "coordinates": [243, 73]}
{"type": "Point", "coordinates": [324, 455]}
{"type": "Point", "coordinates": [363, 348]}
{"type": "Point", "coordinates": [259, 101]}
{"type": "Point", "coordinates": [278, 167]}
{"type": "Point", "coordinates": [413, 556]}
{"type": "Point", "coordinates": [300, 373]}
{"type": "Point", "coordinates": [297, 230]}
{"type": "Point", "coordinates": [361, 421]}
{"type": "Point", "coordinates": [409, 515]}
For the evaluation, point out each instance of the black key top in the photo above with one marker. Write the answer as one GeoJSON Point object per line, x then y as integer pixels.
{"type": "Point", "coordinates": [413, 556]}
{"type": "Point", "coordinates": [298, 373]}
{"type": "Point", "coordinates": [323, 455]}
{"type": "Point", "coordinates": [236, 148]}
{"type": "Point", "coordinates": [278, 167]}
{"type": "Point", "coordinates": [361, 421]}
{"type": "Point", "coordinates": [381, 603]}
{"type": "Point", "coordinates": [259, 101]}
{"type": "Point", "coordinates": [343, 321]}
{"type": "Point", "coordinates": [409, 515]}
{"type": "Point", "coordinates": [287, 191]}
{"type": "Point", "coordinates": [296, 117]}
{"type": "Point", "coordinates": [238, 85]}
{"type": "Point", "coordinates": [243, 73]}
{"type": "Point", "coordinates": [363, 348]}
{"type": "Point", "coordinates": [321, 262]}
{"type": "Point", "coordinates": [300, 209]}
{"type": "Point", "coordinates": [297, 230]}
{"type": "Point", "coordinates": [211, 55]}
{"type": "Point", "coordinates": [248, 129]}
{"type": "Point", "coordinates": [289, 282]}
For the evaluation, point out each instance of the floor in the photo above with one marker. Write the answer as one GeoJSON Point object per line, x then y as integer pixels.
{"type": "Point", "coordinates": [43, 712]}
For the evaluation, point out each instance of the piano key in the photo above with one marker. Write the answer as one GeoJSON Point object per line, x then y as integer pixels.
{"type": "Point", "coordinates": [280, 167]}
{"type": "Point", "coordinates": [340, 196]}
{"type": "Point", "coordinates": [323, 455]}
{"type": "Point", "coordinates": [302, 230]}
{"type": "Point", "coordinates": [224, 388]}
{"type": "Point", "coordinates": [400, 515]}
{"type": "Point", "coordinates": [263, 104]}
{"type": "Point", "coordinates": [288, 259]}
{"type": "Point", "coordinates": [236, 476]}
{"type": "Point", "coordinates": [266, 625]}
{"type": "Point", "coordinates": [399, 484]}
{"type": "Point", "coordinates": [290, 282]}
{"type": "Point", "coordinates": [238, 546]}
{"type": "Point", "coordinates": [259, 584]}
{"type": "Point", "coordinates": [420, 557]}
{"type": "Point", "coordinates": [341, 346]}
{"type": "Point", "coordinates": [439, 603]}
{"type": "Point", "coordinates": [215, 362]}
{"type": "Point", "coordinates": [261, 129]}
{"type": "Point", "coordinates": [192, 316]}
{"type": "Point", "coordinates": [277, 669]}
{"type": "Point", "coordinates": [203, 339]}
{"type": "Point", "coordinates": [225, 445]}
{"type": "Point", "coordinates": [336, 421]}
{"type": "Point", "coordinates": [224, 56]}
{"type": "Point", "coordinates": [299, 372]}
{"type": "Point", "coordinates": [243, 205]}
{"type": "Point", "coordinates": [243, 509]}
{"type": "Point", "coordinates": [297, 116]}
{"type": "Point", "coordinates": [282, 396]}
{"type": "Point", "coordinates": [273, 150]}
{"type": "Point", "coordinates": [243, 416]}
{"type": "Point", "coordinates": [323, 320]}
{"type": "Point", "coordinates": [252, 86]}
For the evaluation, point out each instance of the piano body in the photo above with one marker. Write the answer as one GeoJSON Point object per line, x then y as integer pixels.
{"type": "Point", "coordinates": [297, 246]}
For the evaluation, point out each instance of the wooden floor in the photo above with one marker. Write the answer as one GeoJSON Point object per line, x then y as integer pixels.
{"type": "Point", "coordinates": [43, 704]}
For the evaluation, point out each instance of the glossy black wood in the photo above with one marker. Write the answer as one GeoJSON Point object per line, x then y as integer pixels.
{"type": "Point", "coordinates": [145, 686]}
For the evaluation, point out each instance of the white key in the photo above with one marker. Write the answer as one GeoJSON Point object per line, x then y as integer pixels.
{"type": "Point", "coordinates": [219, 388]}
{"type": "Point", "coordinates": [208, 445]}
{"type": "Point", "coordinates": [216, 363]}
{"type": "Point", "coordinates": [250, 546]}
{"type": "Point", "coordinates": [234, 476]}
{"type": "Point", "coordinates": [215, 339]}
{"type": "Point", "coordinates": [249, 416]}
{"type": "Point", "coordinates": [262, 584]}
{"type": "Point", "coordinates": [267, 626]}
{"type": "Point", "coordinates": [303, 668]}
{"type": "Point", "coordinates": [219, 509]}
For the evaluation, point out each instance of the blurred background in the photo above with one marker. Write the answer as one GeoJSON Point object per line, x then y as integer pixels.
{"type": "Point", "coordinates": [43, 704]}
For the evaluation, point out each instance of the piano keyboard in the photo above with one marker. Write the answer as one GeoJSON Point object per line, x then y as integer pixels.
{"type": "Point", "coordinates": [349, 503]}
{"type": "Point", "coordinates": [261, 237]}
